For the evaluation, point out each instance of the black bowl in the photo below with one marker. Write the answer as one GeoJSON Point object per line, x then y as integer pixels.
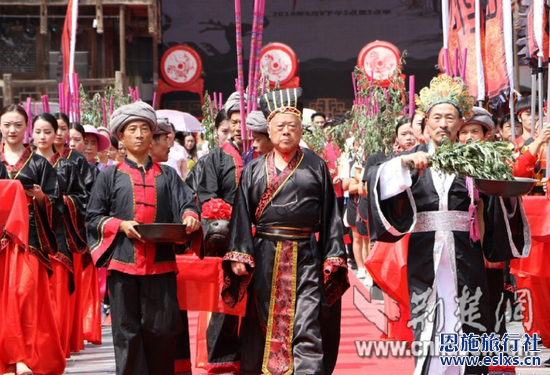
{"type": "Point", "coordinates": [163, 233]}
{"type": "Point", "coordinates": [504, 188]}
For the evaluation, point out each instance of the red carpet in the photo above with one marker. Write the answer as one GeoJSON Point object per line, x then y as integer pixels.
{"type": "Point", "coordinates": [355, 327]}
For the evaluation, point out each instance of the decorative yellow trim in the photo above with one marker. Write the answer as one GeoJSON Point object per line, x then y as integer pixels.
{"type": "Point", "coordinates": [291, 228]}
{"type": "Point", "coordinates": [272, 298]}
{"type": "Point", "coordinates": [272, 302]}
{"type": "Point", "coordinates": [285, 235]}
{"type": "Point", "coordinates": [23, 167]}
{"type": "Point", "coordinates": [286, 179]}
{"type": "Point", "coordinates": [293, 305]}
{"type": "Point", "coordinates": [282, 183]}
{"type": "Point", "coordinates": [101, 230]}
{"type": "Point", "coordinates": [156, 195]}
{"type": "Point", "coordinates": [134, 210]}
{"type": "Point", "coordinates": [269, 105]}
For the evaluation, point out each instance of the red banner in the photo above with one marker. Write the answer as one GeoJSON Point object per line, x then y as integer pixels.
{"type": "Point", "coordinates": [66, 40]}
{"type": "Point", "coordinates": [462, 35]}
{"type": "Point", "coordinates": [496, 72]}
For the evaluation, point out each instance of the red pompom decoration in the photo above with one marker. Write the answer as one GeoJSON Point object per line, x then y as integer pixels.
{"type": "Point", "coordinates": [216, 209]}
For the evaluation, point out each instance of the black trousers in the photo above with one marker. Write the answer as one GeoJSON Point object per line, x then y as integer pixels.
{"type": "Point", "coordinates": [145, 322]}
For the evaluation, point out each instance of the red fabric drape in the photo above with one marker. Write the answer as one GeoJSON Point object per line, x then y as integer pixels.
{"type": "Point", "coordinates": [200, 283]}
{"type": "Point", "coordinates": [91, 305]}
{"type": "Point", "coordinates": [532, 273]}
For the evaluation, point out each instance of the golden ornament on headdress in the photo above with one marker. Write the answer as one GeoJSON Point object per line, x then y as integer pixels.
{"type": "Point", "coordinates": [445, 89]}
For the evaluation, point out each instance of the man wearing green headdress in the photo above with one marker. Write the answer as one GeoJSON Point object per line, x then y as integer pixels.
{"type": "Point", "coordinates": [445, 266]}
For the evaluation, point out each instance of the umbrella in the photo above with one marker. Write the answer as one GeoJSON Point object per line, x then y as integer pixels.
{"type": "Point", "coordinates": [306, 115]}
{"type": "Point", "coordinates": [182, 121]}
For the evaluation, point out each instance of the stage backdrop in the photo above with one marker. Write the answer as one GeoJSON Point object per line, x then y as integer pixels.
{"type": "Point", "coordinates": [326, 36]}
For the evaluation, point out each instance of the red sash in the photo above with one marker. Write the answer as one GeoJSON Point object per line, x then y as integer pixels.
{"type": "Point", "coordinates": [274, 181]}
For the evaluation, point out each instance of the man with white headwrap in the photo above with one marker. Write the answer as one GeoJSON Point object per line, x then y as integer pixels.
{"type": "Point", "coordinates": [142, 280]}
{"type": "Point", "coordinates": [216, 175]}
{"type": "Point", "coordinates": [257, 124]}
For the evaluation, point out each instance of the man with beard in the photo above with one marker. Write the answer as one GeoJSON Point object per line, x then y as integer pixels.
{"type": "Point", "coordinates": [445, 263]}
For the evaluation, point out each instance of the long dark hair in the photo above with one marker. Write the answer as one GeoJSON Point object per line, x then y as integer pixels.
{"type": "Point", "coordinates": [49, 118]}
{"type": "Point", "coordinates": [15, 108]}
{"type": "Point", "coordinates": [220, 117]}
{"type": "Point", "coordinates": [62, 116]}
{"type": "Point", "coordinates": [193, 152]}
{"type": "Point", "coordinates": [79, 128]}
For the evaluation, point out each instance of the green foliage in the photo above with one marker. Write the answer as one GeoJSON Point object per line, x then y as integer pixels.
{"type": "Point", "coordinates": [374, 115]}
{"type": "Point", "coordinates": [315, 139]}
{"type": "Point", "coordinates": [91, 110]}
{"type": "Point", "coordinates": [209, 113]}
{"type": "Point", "coordinates": [488, 160]}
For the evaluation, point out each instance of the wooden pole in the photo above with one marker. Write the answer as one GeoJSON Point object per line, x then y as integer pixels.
{"type": "Point", "coordinates": [99, 16]}
{"type": "Point", "coordinates": [8, 93]}
{"type": "Point", "coordinates": [122, 39]}
{"type": "Point", "coordinates": [155, 62]}
{"type": "Point", "coordinates": [43, 17]}
{"type": "Point", "coordinates": [152, 16]}
{"type": "Point", "coordinates": [516, 50]}
{"type": "Point", "coordinates": [119, 81]}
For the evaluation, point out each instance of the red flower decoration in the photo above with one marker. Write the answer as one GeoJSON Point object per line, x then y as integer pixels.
{"type": "Point", "coordinates": [216, 209]}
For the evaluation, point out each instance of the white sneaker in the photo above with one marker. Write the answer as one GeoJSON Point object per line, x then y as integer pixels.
{"type": "Point", "coordinates": [368, 280]}
{"type": "Point", "coordinates": [361, 273]}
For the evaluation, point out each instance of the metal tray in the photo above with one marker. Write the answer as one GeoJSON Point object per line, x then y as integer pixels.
{"type": "Point", "coordinates": [164, 233]}
{"type": "Point", "coordinates": [505, 188]}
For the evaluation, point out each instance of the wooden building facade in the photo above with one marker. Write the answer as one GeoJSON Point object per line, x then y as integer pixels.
{"type": "Point", "coordinates": [112, 36]}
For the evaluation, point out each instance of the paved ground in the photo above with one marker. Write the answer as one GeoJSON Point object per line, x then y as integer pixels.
{"type": "Point", "coordinates": [100, 359]}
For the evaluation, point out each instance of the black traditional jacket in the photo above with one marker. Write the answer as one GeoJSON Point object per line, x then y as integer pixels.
{"type": "Point", "coordinates": [151, 194]}
{"type": "Point", "coordinates": [32, 169]}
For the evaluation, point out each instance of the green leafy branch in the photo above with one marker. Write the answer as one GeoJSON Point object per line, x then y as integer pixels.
{"type": "Point", "coordinates": [375, 113]}
{"type": "Point", "coordinates": [91, 110]}
{"type": "Point", "coordinates": [209, 113]}
{"type": "Point", "coordinates": [487, 160]}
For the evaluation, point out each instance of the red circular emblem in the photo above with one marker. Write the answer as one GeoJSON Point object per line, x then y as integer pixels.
{"type": "Point", "coordinates": [181, 65]}
{"type": "Point", "coordinates": [379, 60]}
{"type": "Point", "coordinates": [280, 61]}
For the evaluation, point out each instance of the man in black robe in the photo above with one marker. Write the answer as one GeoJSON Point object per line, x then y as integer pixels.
{"type": "Point", "coordinates": [288, 197]}
{"type": "Point", "coordinates": [142, 280]}
{"type": "Point", "coordinates": [216, 175]}
{"type": "Point", "coordinates": [445, 262]}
